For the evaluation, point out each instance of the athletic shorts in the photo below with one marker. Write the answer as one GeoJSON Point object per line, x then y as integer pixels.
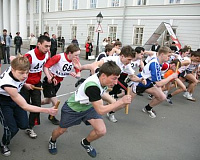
{"type": "Point", "coordinates": [49, 89]}
{"type": "Point", "coordinates": [71, 118]}
{"type": "Point", "coordinates": [141, 89]}
{"type": "Point", "coordinates": [184, 73]}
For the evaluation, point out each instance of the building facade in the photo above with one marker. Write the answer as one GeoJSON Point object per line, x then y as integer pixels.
{"type": "Point", "coordinates": [132, 21]}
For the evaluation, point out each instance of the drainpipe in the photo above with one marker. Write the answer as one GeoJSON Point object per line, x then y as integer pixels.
{"type": "Point", "coordinates": [123, 22]}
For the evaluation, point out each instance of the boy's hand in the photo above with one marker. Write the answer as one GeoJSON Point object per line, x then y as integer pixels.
{"type": "Point", "coordinates": [52, 111]}
{"type": "Point", "coordinates": [126, 99]}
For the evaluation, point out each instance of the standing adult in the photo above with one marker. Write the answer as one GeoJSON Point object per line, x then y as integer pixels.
{"type": "Point", "coordinates": [6, 41]}
{"type": "Point", "coordinates": [18, 42]}
{"type": "Point", "coordinates": [33, 41]}
{"type": "Point", "coordinates": [53, 48]}
{"type": "Point", "coordinates": [63, 44]}
{"type": "Point", "coordinates": [88, 48]}
{"type": "Point", "coordinates": [155, 47]}
{"type": "Point", "coordinates": [75, 41]}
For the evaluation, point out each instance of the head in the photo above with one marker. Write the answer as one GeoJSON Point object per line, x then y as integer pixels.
{"type": "Point", "coordinates": [117, 44]}
{"type": "Point", "coordinates": [44, 44]}
{"type": "Point", "coordinates": [173, 64]}
{"type": "Point", "coordinates": [139, 52]}
{"type": "Point", "coordinates": [18, 33]}
{"type": "Point", "coordinates": [109, 73]}
{"type": "Point", "coordinates": [53, 36]}
{"type": "Point", "coordinates": [108, 48]}
{"type": "Point", "coordinates": [46, 34]}
{"type": "Point", "coordinates": [127, 54]}
{"type": "Point", "coordinates": [156, 43]}
{"type": "Point", "coordinates": [20, 68]}
{"type": "Point", "coordinates": [164, 54]}
{"type": "Point", "coordinates": [5, 32]}
{"type": "Point", "coordinates": [195, 56]}
{"type": "Point", "coordinates": [105, 40]}
{"type": "Point", "coordinates": [72, 51]}
{"type": "Point", "coordinates": [184, 52]}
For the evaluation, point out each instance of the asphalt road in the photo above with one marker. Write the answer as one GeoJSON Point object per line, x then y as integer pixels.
{"type": "Point", "coordinates": [172, 135]}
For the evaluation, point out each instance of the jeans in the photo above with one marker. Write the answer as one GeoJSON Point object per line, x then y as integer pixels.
{"type": "Point", "coordinates": [6, 54]}
{"type": "Point", "coordinates": [12, 117]}
{"type": "Point", "coordinates": [17, 48]}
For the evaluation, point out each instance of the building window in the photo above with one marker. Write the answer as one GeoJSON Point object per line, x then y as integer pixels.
{"type": "Point", "coordinates": [138, 36]}
{"type": "Point", "coordinates": [28, 7]}
{"type": "Point", "coordinates": [37, 31]}
{"type": "Point", "coordinates": [73, 31]}
{"type": "Point", "coordinates": [59, 31]}
{"type": "Point", "coordinates": [74, 4]}
{"type": "Point", "coordinates": [174, 1]}
{"type": "Point", "coordinates": [93, 3]}
{"type": "Point", "coordinates": [37, 6]}
{"type": "Point", "coordinates": [46, 28]}
{"type": "Point", "coordinates": [112, 33]}
{"type": "Point", "coordinates": [60, 5]}
{"type": "Point", "coordinates": [28, 31]}
{"type": "Point", "coordinates": [47, 6]}
{"type": "Point", "coordinates": [114, 3]}
{"type": "Point", "coordinates": [142, 2]}
{"type": "Point", "coordinates": [91, 32]}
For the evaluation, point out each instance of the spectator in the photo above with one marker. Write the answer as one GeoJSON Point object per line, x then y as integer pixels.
{"type": "Point", "coordinates": [104, 43]}
{"type": "Point", "coordinates": [88, 48]}
{"type": "Point", "coordinates": [33, 41]}
{"type": "Point", "coordinates": [75, 41]}
{"type": "Point", "coordinates": [46, 34]}
{"type": "Point", "coordinates": [173, 47]}
{"type": "Point", "coordinates": [53, 48]}
{"type": "Point", "coordinates": [155, 47]}
{"type": "Point", "coordinates": [6, 41]}
{"type": "Point", "coordinates": [63, 44]}
{"type": "Point", "coordinates": [10, 35]}
{"type": "Point", "coordinates": [18, 42]}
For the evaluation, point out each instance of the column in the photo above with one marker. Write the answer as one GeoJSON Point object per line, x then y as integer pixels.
{"type": "Point", "coordinates": [1, 16]}
{"type": "Point", "coordinates": [22, 19]}
{"type": "Point", "coordinates": [6, 19]}
{"type": "Point", "coordinates": [13, 17]}
{"type": "Point", "coordinates": [31, 17]}
{"type": "Point", "coordinates": [40, 17]}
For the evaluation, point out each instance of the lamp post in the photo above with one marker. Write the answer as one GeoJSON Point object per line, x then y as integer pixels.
{"type": "Point", "coordinates": [99, 20]}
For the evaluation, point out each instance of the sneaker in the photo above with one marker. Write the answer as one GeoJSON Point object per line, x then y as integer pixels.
{"type": "Point", "coordinates": [189, 97]}
{"type": "Point", "coordinates": [31, 133]}
{"type": "Point", "coordinates": [5, 151]}
{"type": "Point", "coordinates": [150, 96]}
{"type": "Point", "coordinates": [54, 120]}
{"type": "Point", "coordinates": [111, 117]}
{"type": "Point", "coordinates": [52, 147]}
{"type": "Point", "coordinates": [90, 150]}
{"type": "Point", "coordinates": [185, 94]}
{"type": "Point", "coordinates": [151, 113]}
{"type": "Point", "coordinates": [169, 101]}
{"type": "Point", "coordinates": [165, 92]}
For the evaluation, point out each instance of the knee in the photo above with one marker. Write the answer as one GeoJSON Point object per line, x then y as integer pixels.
{"type": "Point", "coordinates": [162, 97]}
{"type": "Point", "coordinates": [101, 131]}
{"type": "Point", "coordinates": [60, 131]}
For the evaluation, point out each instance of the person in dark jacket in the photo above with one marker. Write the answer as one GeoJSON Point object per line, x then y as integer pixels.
{"type": "Point", "coordinates": [155, 47]}
{"type": "Point", "coordinates": [53, 48]}
{"type": "Point", "coordinates": [18, 42]}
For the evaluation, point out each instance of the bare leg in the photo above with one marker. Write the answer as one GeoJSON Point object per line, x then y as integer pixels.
{"type": "Point", "coordinates": [58, 132]}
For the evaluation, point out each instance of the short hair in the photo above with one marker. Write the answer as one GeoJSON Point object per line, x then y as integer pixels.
{"type": "Point", "coordinates": [4, 30]}
{"type": "Point", "coordinates": [175, 61]}
{"type": "Point", "coordinates": [117, 43]}
{"type": "Point", "coordinates": [72, 48]}
{"type": "Point", "coordinates": [139, 49]}
{"type": "Point", "coordinates": [46, 33]}
{"type": "Point", "coordinates": [43, 38]}
{"type": "Point", "coordinates": [128, 51]}
{"type": "Point", "coordinates": [108, 48]}
{"type": "Point", "coordinates": [173, 43]}
{"type": "Point", "coordinates": [164, 50]}
{"type": "Point", "coordinates": [195, 54]}
{"type": "Point", "coordinates": [110, 68]}
{"type": "Point", "coordinates": [21, 63]}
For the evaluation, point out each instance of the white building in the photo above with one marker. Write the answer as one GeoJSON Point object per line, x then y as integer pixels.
{"type": "Point", "coordinates": [132, 21]}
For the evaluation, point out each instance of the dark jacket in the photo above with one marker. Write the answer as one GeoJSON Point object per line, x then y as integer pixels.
{"type": "Point", "coordinates": [18, 40]}
{"type": "Point", "coordinates": [153, 48]}
{"type": "Point", "coordinates": [53, 44]}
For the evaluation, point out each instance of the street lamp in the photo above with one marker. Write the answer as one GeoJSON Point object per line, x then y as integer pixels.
{"type": "Point", "coordinates": [99, 20]}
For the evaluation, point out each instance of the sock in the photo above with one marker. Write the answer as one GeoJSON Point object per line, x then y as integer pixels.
{"type": "Point", "coordinates": [169, 96]}
{"type": "Point", "coordinates": [148, 107]}
{"type": "Point", "coordinates": [53, 141]}
{"type": "Point", "coordinates": [85, 141]}
{"type": "Point", "coordinates": [111, 112]}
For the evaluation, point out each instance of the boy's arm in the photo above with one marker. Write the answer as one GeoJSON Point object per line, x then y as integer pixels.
{"type": "Point", "coordinates": [166, 80]}
{"type": "Point", "coordinates": [17, 98]}
{"type": "Point", "coordinates": [93, 66]}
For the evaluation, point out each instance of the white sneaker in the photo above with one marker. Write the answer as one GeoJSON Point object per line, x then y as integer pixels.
{"type": "Point", "coordinates": [5, 151]}
{"type": "Point", "coordinates": [31, 133]}
{"type": "Point", "coordinates": [151, 113]}
{"type": "Point", "coordinates": [165, 92]}
{"type": "Point", "coordinates": [111, 117]}
{"type": "Point", "coordinates": [185, 94]}
{"type": "Point", "coordinates": [189, 97]}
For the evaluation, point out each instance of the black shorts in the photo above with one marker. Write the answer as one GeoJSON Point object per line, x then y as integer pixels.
{"type": "Point", "coordinates": [49, 89]}
{"type": "Point", "coordinates": [140, 89]}
{"type": "Point", "coordinates": [184, 73]}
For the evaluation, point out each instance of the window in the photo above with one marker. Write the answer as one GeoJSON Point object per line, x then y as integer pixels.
{"type": "Point", "coordinates": [142, 2]}
{"type": "Point", "coordinates": [28, 31]}
{"type": "Point", "coordinates": [114, 3]}
{"type": "Point", "coordinates": [174, 1]}
{"type": "Point", "coordinates": [112, 32]}
{"type": "Point", "coordinates": [59, 31]}
{"type": "Point", "coordinates": [60, 5]}
{"type": "Point", "coordinates": [93, 3]}
{"type": "Point", "coordinates": [47, 6]}
{"type": "Point", "coordinates": [37, 31]}
{"type": "Point", "coordinates": [37, 6]}
{"type": "Point", "coordinates": [91, 32]}
{"type": "Point", "coordinates": [46, 28]}
{"type": "Point", "coordinates": [75, 4]}
{"type": "Point", "coordinates": [28, 7]}
{"type": "Point", "coordinates": [73, 31]}
{"type": "Point", "coordinates": [138, 36]}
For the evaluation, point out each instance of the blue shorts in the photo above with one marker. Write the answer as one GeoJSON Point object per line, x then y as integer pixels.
{"type": "Point", "coordinates": [71, 118]}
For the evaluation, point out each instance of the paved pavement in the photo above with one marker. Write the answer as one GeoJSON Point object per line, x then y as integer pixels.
{"type": "Point", "coordinates": [173, 135]}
